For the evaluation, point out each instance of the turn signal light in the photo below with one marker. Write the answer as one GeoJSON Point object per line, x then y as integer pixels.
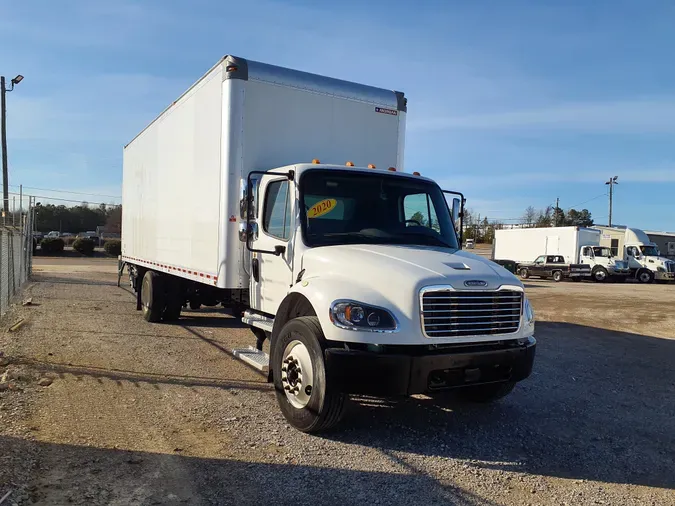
{"type": "Point", "coordinates": [316, 161]}
{"type": "Point", "coordinates": [349, 164]}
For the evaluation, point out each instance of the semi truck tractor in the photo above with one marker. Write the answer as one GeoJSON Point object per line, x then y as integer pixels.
{"type": "Point", "coordinates": [281, 195]}
{"type": "Point", "coordinates": [641, 254]}
{"type": "Point", "coordinates": [577, 245]}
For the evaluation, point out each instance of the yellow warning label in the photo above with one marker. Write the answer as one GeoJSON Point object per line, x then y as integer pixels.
{"type": "Point", "coordinates": [321, 208]}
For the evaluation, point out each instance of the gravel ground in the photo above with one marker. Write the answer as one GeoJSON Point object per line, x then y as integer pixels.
{"type": "Point", "coordinates": [134, 413]}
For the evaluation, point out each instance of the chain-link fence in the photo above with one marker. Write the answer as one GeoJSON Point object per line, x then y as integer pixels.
{"type": "Point", "coordinates": [16, 257]}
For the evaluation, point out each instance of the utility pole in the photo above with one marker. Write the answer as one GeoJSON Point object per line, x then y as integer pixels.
{"type": "Point", "coordinates": [3, 134]}
{"type": "Point", "coordinates": [612, 181]}
{"type": "Point", "coordinates": [555, 213]}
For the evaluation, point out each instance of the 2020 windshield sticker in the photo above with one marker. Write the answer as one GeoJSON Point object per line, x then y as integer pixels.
{"type": "Point", "coordinates": [321, 208]}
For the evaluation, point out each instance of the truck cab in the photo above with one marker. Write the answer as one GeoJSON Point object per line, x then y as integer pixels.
{"type": "Point", "coordinates": [357, 278]}
{"type": "Point", "coordinates": [644, 258]}
{"type": "Point", "coordinates": [602, 262]}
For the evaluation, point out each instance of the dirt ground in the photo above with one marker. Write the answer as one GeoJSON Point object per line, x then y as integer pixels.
{"type": "Point", "coordinates": [136, 413]}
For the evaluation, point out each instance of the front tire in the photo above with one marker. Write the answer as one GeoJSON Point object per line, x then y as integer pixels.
{"type": "Point", "coordinates": [645, 276]}
{"type": "Point", "coordinates": [600, 274]}
{"type": "Point", "coordinates": [307, 400]}
{"type": "Point", "coordinates": [489, 392]}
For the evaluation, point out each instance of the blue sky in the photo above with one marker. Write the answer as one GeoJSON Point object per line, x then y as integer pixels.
{"type": "Point", "coordinates": [514, 103]}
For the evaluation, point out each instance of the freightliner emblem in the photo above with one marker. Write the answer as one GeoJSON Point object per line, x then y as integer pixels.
{"type": "Point", "coordinates": [475, 282]}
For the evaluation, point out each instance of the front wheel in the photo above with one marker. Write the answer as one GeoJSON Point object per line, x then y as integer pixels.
{"type": "Point", "coordinates": [645, 276]}
{"type": "Point", "coordinates": [557, 276]}
{"type": "Point", "coordinates": [489, 392]}
{"type": "Point", "coordinates": [600, 274]}
{"type": "Point", "coordinates": [307, 400]}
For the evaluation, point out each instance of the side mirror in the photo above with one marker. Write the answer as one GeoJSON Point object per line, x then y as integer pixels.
{"type": "Point", "coordinates": [251, 233]}
{"type": "Point", "coordinates": [456, 207]}
{"type": "Point", "coordinates": [279, 250]}
{"type": "Point", "coordinates": [247, 201]}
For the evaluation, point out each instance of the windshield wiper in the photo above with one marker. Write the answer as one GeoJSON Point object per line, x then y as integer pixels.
{"type": "Point", "coordinates": [437, 240]}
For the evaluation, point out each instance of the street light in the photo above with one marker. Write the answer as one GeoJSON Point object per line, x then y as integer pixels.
{"type": "Point", "coordinates": [3, 134]}
{"type": "Point", "coordinates": [612, 181]}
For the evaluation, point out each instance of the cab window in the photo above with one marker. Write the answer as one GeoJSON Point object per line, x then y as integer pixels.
{"type": "Point", "coordinates": [540, 260]}
{"type": "Point", "coordinates": [418, 210]}
{"type": "Point", "coordinates": [277, 214]}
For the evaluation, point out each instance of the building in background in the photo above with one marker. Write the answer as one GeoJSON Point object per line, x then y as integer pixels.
{"type": "Point", "coordinates": [665, 242]}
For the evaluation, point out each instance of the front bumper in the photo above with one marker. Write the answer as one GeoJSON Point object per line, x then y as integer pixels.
{"type": "Point", "coordinates": [664, 276]}
{"type": "Point", "coordinates": [421, 371]}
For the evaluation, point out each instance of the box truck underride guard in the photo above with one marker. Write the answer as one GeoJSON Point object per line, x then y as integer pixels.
{"type": "Point", "coordinates": [280, 194]}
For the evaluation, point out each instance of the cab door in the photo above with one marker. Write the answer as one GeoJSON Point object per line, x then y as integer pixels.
{"type": "Point", "coordinates": [271, 243]}
{"type": "Point", "coordinates": [538, 267]}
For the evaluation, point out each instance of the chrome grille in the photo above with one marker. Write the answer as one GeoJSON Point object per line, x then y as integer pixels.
{"type": "Point", "coordinates": [464, 313]}
{"type": "Point", "coordinates": [670, 266]}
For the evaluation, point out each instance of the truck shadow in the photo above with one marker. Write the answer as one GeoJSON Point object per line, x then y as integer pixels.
{"type": "Point", "coordinates": [598, 406]}
{"type": "Point", "coordinates": [72, 474]}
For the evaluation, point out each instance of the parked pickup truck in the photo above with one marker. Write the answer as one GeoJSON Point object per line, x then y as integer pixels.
{"type": "Point", "coordinates": [554, 266]}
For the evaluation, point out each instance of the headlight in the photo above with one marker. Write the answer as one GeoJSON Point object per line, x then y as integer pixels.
{"type": "Point", "coordinates": [352, 315]}
{"type": "Point", "coordinates": [660, 269]}
{"type": "Point", "coordinates": [528, 313]}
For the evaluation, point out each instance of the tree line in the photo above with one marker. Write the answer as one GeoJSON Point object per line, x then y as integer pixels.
{"type": "Point", "coordinates": [482, 229]}
{"type": "Point", "coordinates": [78, 219]}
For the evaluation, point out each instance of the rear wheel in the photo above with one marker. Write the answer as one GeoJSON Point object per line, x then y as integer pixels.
{"type": "Point", "coordinates": [524, 273]}
{"type": "Point", "coordinates": [645, 276]}
{"type": "Point", "coordinates": [153, 299]}
{"type": "Point", "coordinates": [174, 300]}
{"type": "Point", "coordinates": [557, 276]}
{"type": "Point", "coordinates": [489, 392]}
{"type": "Point", "coordinates": [600, 274]}
{"type": "Point", "coordinates": [308, 402]}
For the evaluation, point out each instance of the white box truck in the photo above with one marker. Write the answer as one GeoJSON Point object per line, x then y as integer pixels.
{"type": "Point", "coordinates": [530, 248]}
{"type": "Point", "coordinates": [280, 194]}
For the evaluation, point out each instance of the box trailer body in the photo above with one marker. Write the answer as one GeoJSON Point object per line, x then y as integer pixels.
{"type": "Point", "coordinates": [182, 174]}
{"type": "Point", "coordinates": [280, 195]}
{"type": "Point", "coordinates": [525, 244]}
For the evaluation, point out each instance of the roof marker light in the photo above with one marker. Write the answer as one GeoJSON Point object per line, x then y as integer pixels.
{"type": "Point", "coordinates": [416, 173]}
{"type": "Point", "coordinates": [371, 166]}
{"type": "Point", "coordinates": [392, 169]}
{"type": "Point", "coordinates": [316, 161]}
{"type": "Point", "coordinates": [349, 164]}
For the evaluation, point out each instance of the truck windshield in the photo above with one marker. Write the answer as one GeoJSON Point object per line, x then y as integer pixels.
{"type": "Point", "coordinates": [650, 251]}
{"type": "Point", "coordinates": [345, 207]}
{"type": "Point", "coordinates": [602, 252]}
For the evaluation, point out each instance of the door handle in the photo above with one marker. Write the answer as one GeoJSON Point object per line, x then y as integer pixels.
{"type": "Point", "coordinates": [255, 269]}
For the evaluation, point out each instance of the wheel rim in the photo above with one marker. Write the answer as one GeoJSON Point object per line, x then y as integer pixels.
{"type": "Point", "coordinates": [557, 276]}
{"type": "Point", "coordinates": [297, 374]}
{"type": "Point", "coordinates": [600, 275]}
{"type": "Point", "coordinates": [644, 277]}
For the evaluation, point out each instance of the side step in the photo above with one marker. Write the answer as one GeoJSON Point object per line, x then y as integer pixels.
{"type": "Point", "coordinates": [258, 320]}
{"type": "Point", "coordinates": [255, 358]}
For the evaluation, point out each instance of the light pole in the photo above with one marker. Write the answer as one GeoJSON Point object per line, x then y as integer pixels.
{"type": "Point", "coordinates": [3, 134]}
{"type": "Point", "coordinates": [612, 181]}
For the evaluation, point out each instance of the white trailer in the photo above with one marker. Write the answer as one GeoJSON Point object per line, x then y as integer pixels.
{"type": "Point", "coordinates": [578, 245]}
{"type": "Point", "coordinates": [280, 195]}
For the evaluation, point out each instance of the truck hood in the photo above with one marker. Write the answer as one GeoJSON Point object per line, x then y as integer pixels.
{"type": "Point", "coordinates": [402, 267]}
